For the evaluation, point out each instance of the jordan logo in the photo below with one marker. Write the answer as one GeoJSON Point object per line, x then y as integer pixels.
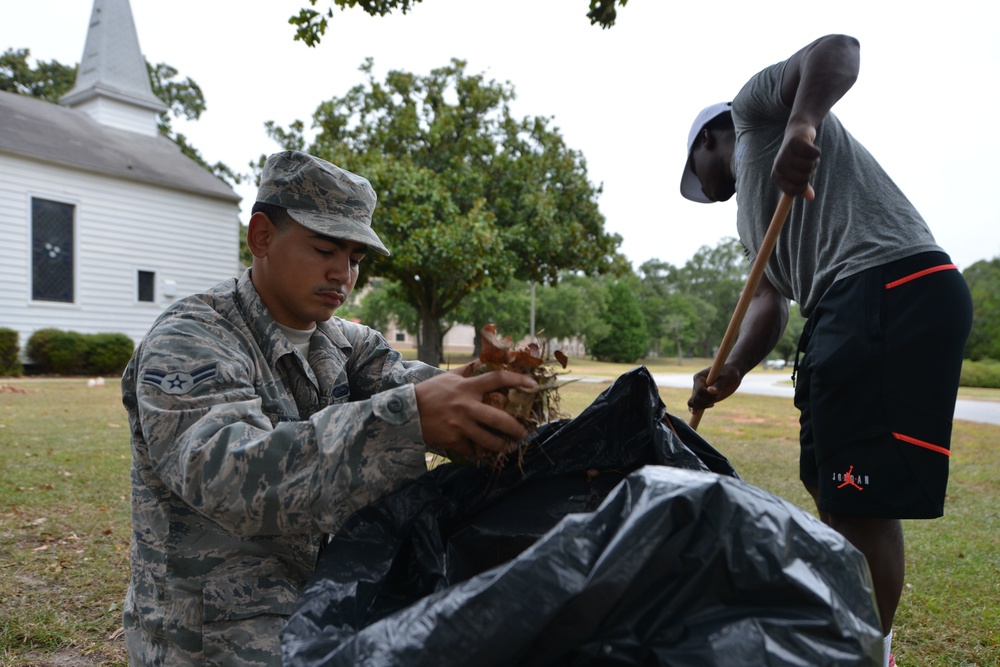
{"type": "Point", "coordinates": [850, 480]}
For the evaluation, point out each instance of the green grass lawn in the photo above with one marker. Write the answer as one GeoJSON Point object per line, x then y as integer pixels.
{"type": "Point", "coordinates": [64, 522]}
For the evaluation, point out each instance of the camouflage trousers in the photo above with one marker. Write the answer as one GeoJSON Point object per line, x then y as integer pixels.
{"type": "Point", "coordinates": [248, 642]}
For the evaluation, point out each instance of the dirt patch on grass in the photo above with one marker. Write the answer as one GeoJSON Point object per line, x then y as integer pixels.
{"type": "Point", "coordinates": [76, 657]}
{"type": "Point", "coordinates": [742, 419]}
{"type": "Point", "coordinates": [106, 652]}
{"type": "Point", "coordinates": [64, 658]}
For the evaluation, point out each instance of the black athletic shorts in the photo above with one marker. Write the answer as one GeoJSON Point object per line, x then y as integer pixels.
{"type": "Point", "coordinates": [877, 378]}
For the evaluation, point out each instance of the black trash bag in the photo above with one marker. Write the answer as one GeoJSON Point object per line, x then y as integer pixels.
{"type": "Point", "coordinates": [568, 559]}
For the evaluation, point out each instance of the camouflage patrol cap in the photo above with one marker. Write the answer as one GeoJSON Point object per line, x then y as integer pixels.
{"type": "Point", "coordinates": [321, 196]}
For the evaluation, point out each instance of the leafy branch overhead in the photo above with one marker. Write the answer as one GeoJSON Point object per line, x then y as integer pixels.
{"type": "Point", "coordinates": [311, 23]}
{"type": "Point", "coordinates": [469, 197]}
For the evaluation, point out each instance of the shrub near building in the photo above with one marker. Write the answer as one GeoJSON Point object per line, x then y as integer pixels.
{"type": "Point", "coordinates": [58, 352]}
{"type": "Point", "coordinates": [108, 353]}
{"type": "Point", "coordinates": [10, 353]}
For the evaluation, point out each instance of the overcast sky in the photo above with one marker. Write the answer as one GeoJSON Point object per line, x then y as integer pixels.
{"type": "Point", "coordinates": [925, 103]}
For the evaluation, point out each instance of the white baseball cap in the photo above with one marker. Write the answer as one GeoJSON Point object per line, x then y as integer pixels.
{"type": "Point", "coordinates": [690, 185]}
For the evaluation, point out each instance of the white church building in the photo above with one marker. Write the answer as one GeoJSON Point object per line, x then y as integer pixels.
{"type": "Point", "coordinates": [103, 221]}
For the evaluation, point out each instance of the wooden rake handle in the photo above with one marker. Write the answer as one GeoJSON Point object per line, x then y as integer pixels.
{"type": "Point", "coordinates": [756, 271]}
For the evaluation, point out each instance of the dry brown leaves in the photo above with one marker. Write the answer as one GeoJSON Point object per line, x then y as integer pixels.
{"type": "Point", "coordinates": [531, 407]}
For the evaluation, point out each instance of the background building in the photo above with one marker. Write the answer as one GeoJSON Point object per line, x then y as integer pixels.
{"type": "Point", "coordinates": [103, 221]}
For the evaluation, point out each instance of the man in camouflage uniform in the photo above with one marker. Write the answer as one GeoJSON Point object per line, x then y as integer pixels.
{"type": "Point", "coordinates": [259, 423]}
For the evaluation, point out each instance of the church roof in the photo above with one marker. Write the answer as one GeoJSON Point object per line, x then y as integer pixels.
{"type": "Point", "coordinates": [44, 131]}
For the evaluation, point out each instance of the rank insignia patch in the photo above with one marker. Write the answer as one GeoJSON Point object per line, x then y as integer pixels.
{"type": "Point", "coordinates": [179, 383]}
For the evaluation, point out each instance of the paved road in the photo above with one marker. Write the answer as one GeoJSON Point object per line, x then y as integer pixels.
{"type": "Point", "coordinates": [778, 384]}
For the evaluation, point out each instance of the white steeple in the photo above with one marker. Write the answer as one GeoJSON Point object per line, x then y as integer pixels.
{"type": "Point", "coordinates": [112, 83]}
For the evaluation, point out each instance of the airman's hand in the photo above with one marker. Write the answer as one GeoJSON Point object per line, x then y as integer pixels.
{"type": "Point", "coordinates": [454, 419]}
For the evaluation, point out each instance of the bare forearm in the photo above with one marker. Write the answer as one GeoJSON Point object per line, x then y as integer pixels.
{"type": "Point", "coordinates": [762, 326]}
{"type": "Point", "coordinates": [760, 332]}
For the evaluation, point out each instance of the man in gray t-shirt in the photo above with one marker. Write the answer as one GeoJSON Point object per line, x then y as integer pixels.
{"type": "Point", "coordinates": [881, 298]}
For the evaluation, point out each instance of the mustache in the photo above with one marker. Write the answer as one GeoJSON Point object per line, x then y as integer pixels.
{"type": "Point", "coordinates": [339, 290]}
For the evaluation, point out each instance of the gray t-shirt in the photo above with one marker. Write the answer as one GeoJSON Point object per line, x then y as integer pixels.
{"type": "Point", "coordinates": [859, 218]}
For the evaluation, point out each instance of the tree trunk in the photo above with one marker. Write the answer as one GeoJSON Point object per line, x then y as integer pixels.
{"type": "Point", "coordinates": [429, 348]}
{"type": "Point", "coordinates": [477, 339]}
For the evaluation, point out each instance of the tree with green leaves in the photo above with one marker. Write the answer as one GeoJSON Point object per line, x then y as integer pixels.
{"type": "Point", "coordinates": [508, 308]}
{"type": "Point", "coordinates": [675, 318]}
{"type": "Point", "coordinates": [51, 80]}
{"type": "Point", "coordinates": [687, 321]}
{"type": "Point", "coordinates": [46, 80]}
{"type": "Point", "coordinates": [655, 288]}
{"type": "Point", "coordinates": [469, 196]}
{"type": "Point", "coordinates": [572, 308]}
{"type": "Point", "coordinates": [383, 303]}
{"type": "Point", "coordinates": [689, 307]}
{"type": "Point", "coordinates": [627, 339]}
{"type": "Point", "coordinates": [310, 23]}
{"type": "Point", "coordinates": [983, 278]}
{"type": "Point", "coordinates": [716, 276]}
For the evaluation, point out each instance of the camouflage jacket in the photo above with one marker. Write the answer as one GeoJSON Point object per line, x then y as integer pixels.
{"type": "Point", "coordinates": [243, 456]}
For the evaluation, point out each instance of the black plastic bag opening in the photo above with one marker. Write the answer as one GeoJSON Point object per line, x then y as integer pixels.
{"type": "Point", "coordinates": [623, 538]}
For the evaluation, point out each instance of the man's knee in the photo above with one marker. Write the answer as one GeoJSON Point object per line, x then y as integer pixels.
{"type": "Point", "coordinates": [864, 524]}
{"type": "Point", "coordinates": [872, 535]}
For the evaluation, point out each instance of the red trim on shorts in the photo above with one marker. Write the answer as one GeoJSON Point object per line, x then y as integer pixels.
{"type": "Point", "coordinates": [920, 274]}
{"type": "Point", "coordinates": [921, 443]}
